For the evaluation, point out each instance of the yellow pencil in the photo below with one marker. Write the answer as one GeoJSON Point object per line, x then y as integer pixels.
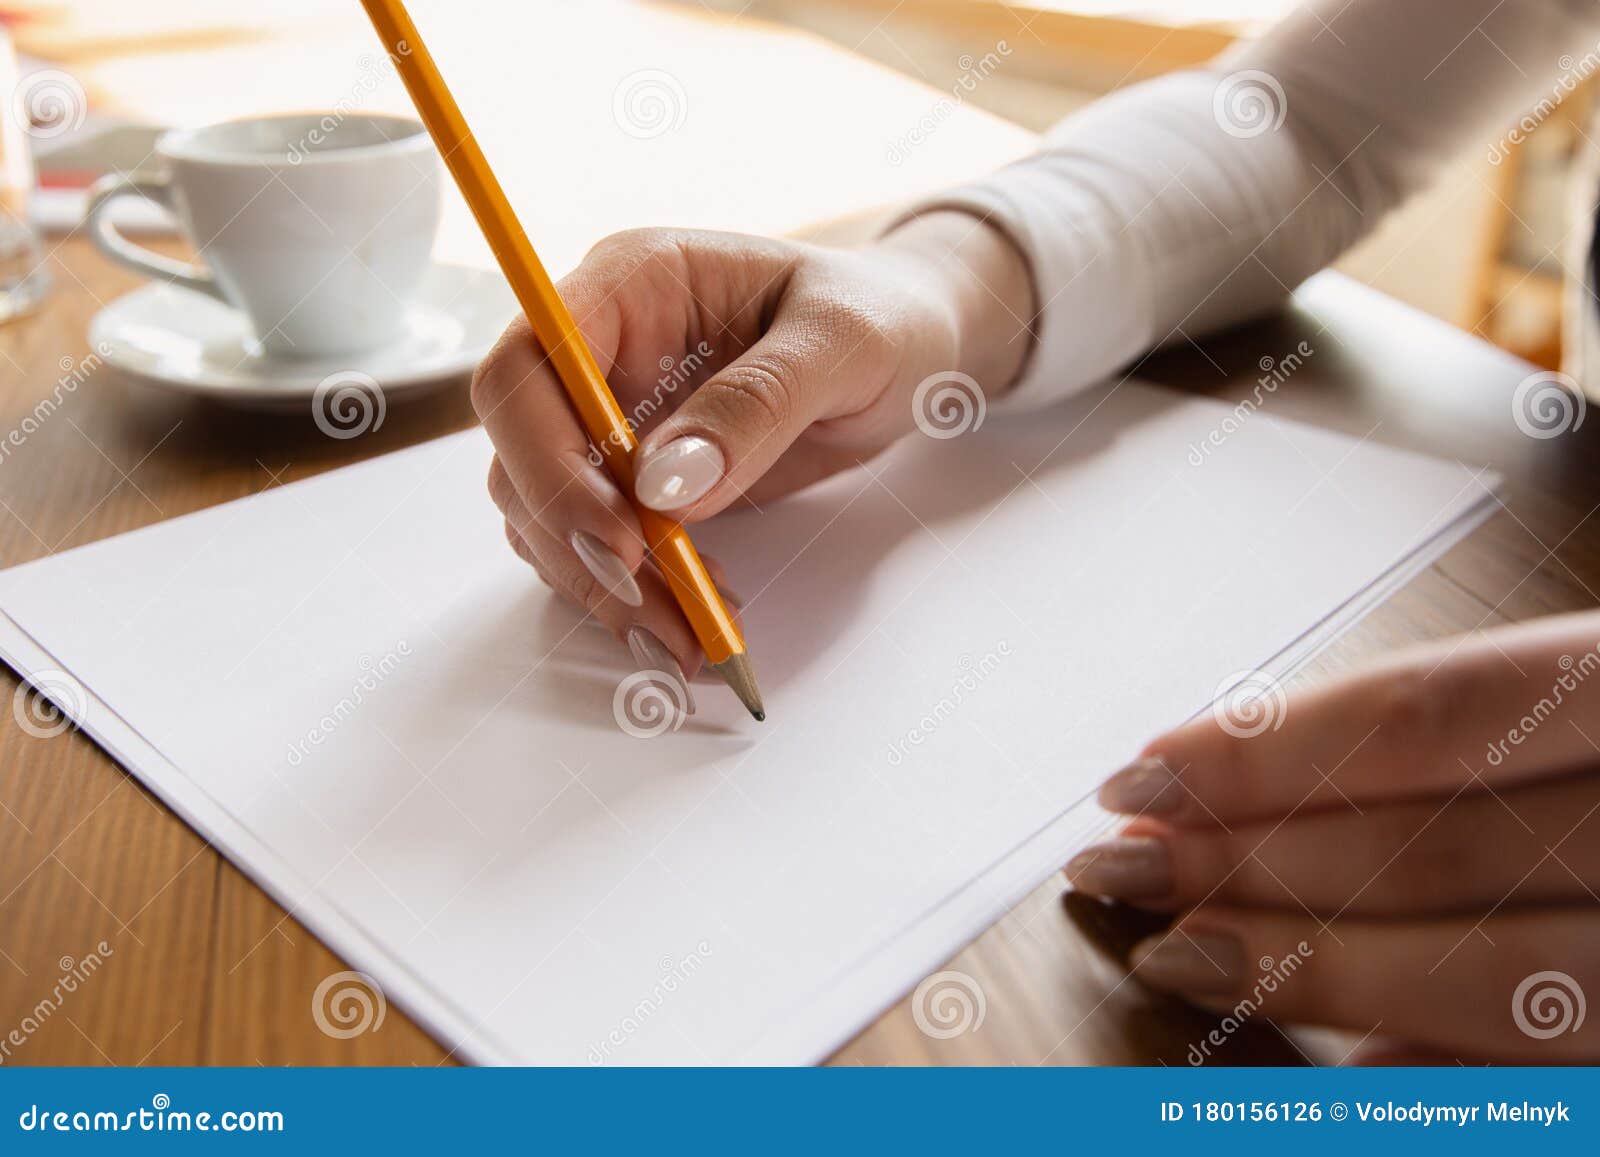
{"type": "Point", "coordinates": [558, 333]}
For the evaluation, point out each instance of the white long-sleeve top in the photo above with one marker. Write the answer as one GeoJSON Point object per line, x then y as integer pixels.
{"type": "Point", "coordinates": [1199, 199]}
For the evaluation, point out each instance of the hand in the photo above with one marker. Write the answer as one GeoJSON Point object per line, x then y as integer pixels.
{"type": "Point", "coordinates": [750, 368]}
{"type": "Point", "coordinates": [1412, 851]}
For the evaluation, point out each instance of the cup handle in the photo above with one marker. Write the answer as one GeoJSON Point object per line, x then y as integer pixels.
{"type": "Point", "coordinates": [137, 257]}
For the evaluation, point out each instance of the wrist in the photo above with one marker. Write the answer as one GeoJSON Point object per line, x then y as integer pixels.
{"type": "Point", "coordinates": [982, 279]}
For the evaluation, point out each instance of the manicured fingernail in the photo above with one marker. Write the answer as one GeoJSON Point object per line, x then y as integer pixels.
{"type": "Point", "coordinates": [1128, 868]}
{"type": "Point", "coordinates": [730, 598]}
{"type": "Point", "coordinates": [1199, 962]}
{"type": "Point", "coordinates": [653, 655]}
{"type": "Point", "coordinates": [607, 567]}
{"type": "Point", "coordinates": [679, 473]}
{"type": "Point", "coordinates": [1144, 787]}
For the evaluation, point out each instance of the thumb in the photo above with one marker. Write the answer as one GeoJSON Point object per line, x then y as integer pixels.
{"type": "Point", "coordinates": [730, 431]}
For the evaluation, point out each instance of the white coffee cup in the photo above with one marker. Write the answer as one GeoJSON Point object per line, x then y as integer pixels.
{"type": "Point", "coordinates": [317, 227]}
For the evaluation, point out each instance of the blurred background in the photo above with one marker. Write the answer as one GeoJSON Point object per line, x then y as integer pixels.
{"type": "Point", "coordinates": [1483, 251]}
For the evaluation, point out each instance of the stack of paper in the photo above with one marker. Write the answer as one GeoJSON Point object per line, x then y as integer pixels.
{"type": "Point", "coordinates": [354, 689]}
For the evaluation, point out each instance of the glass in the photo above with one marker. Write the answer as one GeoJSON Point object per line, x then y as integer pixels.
{"type": "Point", "coordinates": [23, 276]}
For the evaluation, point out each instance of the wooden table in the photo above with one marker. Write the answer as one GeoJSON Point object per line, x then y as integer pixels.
{"type": "Point", "coordinates": [204, 968]}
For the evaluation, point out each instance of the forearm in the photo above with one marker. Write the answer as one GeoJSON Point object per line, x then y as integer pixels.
{"type": "Point", "coordinates": [1165, 212]}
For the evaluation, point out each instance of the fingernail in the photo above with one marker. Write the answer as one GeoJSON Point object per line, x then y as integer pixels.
{"type": "Point", "coordinates": [653, 655]}
{"type": "Point", "coordinates": [607, 567]}
{"type": "Point", "coordinates": [679, 473]}
{"type": "Point", "coordinates": [1128, 868]}
{"type": "Point", "coordinates": [730, 598]}
{"type": "Point", "coordinates": [1190, 961]}
{"type": "Point", "coordinates": [1144, 787]}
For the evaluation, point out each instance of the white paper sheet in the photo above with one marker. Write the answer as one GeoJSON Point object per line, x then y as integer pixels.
{"type": "Point", "coordinates": [352, 687]}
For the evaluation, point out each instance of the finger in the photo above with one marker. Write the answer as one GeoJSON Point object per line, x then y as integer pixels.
{"type": "Point", "coordinates": [623, 587]}
{"type": "Point", "coordinates": [543, 455]}
{"type": "Point", "coordinates": [726, 435]}
{"type": "Point", "coordinates": [572, 514]}
{"type": "Point", "coordinates": [520, 547]}
{"type": "Point", "coordinates": [1499, 708]}
{"type": "Point", "coordinates": [1465, 986]}
{"type": "Point", "coordinates": [656, 613]}
{"type": "Point", "coordinates": [1507, 849]}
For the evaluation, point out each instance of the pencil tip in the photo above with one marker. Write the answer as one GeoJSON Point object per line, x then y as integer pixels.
{"type": "Point", "coordinates": [737, 673]}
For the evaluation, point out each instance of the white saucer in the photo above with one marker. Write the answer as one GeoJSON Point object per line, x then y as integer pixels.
{"type": "Point", "coordinates": [179, 340]}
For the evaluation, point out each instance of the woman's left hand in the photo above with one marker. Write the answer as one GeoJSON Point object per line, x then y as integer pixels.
{"type": "Point", "coordinates": [1411, 852]}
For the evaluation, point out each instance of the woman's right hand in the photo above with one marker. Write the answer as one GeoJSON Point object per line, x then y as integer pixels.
{"type": "Point", "coordinates": [749, 368]}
